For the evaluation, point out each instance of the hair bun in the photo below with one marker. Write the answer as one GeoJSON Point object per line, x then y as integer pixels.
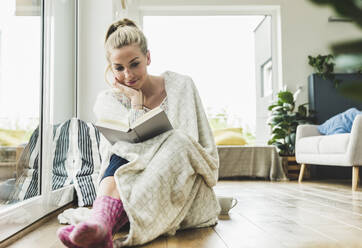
{"type": "Point", "coordinates": [124, 22]}
{"type": "Point", "coordinates": [119, 24]}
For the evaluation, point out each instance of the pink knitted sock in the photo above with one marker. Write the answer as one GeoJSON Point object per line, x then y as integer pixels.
{"type": "Point", "coordinates": [97, 232]}
{"type": "Point", "coordinates": [63, 234]}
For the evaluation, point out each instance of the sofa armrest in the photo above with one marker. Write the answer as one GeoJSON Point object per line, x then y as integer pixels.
{"type": "Point", "coordinates": [307, 130]}
{"type": "Point", "coordinates": [355, 145]}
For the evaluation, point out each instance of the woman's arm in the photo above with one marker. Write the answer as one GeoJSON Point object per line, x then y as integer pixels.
{"type": "Point", "coordinates": [109, 106]}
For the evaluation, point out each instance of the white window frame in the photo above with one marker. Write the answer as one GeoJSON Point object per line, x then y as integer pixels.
{"type": "Point", "coordinates": [18, 216]}
{"type": "Point", "coordinates": [266, 88]}
{"type": "Point", "coordinates": [137, 11]}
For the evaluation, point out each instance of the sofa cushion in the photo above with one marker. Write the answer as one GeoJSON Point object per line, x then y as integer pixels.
{"type": "Point", "coordinates": [328, 144]}
{"type": "Point", "coordinates": [341, 123]}
{"type": "Point", "coordinates": [308, 145]}
{"type": "Point", "coordinates": [332, 144]}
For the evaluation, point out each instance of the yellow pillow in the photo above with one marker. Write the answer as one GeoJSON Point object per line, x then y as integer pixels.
{"type": "Point", "coordinates": [229, 136]}
{"type": "Point", "coordinates": [12, 137]}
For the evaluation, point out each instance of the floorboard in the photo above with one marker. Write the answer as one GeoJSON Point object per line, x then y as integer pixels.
{"type": "Point", "coordinates": [317, 214]}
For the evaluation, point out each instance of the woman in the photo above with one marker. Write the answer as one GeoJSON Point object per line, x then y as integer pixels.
{"type": "Point", "coordinates": [162, 184]}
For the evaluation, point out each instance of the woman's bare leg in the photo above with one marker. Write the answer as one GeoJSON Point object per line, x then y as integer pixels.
{"type": "Point", "coordinates": [108, 187]}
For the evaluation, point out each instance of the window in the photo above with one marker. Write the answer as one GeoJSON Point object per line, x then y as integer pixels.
{"type": "Point", "coordinates": [266, 78]}
{"type": "Point", "coordinates": [20, 59]}
{"type": "Point", "coordinates": [37, 91]}
{"type": "Point", "coordinates": [218, 53]}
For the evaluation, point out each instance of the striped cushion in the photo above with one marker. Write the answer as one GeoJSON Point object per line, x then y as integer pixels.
{"type": "Point", "coordinates": [76, 160]}
{"type": "Point", "coordinates": [27, 182]}
{"type": "Point", "coordinates": [89, 163]}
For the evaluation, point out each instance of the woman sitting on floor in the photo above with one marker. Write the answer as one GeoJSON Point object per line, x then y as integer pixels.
{"type": "Point", "coordinates": [162, 184]}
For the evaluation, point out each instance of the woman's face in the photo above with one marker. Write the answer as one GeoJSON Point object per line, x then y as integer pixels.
{"type": "Point", "coordinates": [129, 65]}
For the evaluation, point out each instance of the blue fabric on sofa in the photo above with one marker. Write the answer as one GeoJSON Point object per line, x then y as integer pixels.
{"type": "Point", "coordinates": [340, 123]}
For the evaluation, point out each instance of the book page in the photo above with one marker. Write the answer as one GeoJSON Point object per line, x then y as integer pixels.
{"type": "Point", "coordinates": [113, 124]}
{"type": "Point", "coordinates": [147, 116]}
{"type": "Point", "coordinates": [113, 135]}
{"type": "Point", "coordinates": [154, 126]}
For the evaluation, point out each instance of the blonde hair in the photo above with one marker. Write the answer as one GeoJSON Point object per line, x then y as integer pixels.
{"type": "Point", "coordinates": [123, 33]}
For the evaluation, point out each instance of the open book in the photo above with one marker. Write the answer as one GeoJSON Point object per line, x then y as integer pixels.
{"type": "Point", "coordinates": [147, 126]}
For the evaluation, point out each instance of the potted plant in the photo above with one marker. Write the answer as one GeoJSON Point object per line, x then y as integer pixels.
{"type": "Point", "coordinates": [347, 54]}
{"type": "Point", "coordinates": [323, 64]}
{"type": "Point", "coordinates": [324, 67]}
{"type": "Point", "coordinates": [284, 119]}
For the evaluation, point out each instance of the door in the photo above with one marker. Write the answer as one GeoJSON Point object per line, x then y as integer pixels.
{"type": "Point", "coordinates": [265, 87]}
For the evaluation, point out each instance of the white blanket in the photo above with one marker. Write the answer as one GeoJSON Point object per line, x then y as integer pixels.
{"type": "Point", "coordinates": [167, 185]}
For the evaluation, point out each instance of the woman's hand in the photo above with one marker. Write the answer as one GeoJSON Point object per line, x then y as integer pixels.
{"type": "Point", "coordinates": [136, 96]}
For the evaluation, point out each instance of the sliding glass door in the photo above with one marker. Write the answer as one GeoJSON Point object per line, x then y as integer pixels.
{"type": "Point", "coordinates": [20, 98]}
{"type": "Point", "coordinates": [38, 54]}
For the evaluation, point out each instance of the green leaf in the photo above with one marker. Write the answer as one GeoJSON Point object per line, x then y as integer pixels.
{"type": "Point", "coordinates": [280, 132]}
{"type": "Point", "coordinates": [276, 108]}
{"type": "Point", "coordinates": [272, 106]}
{"type": "Point", "coordinates": [274, 120]}
{"type": "Point", "coordinates": [302, 110]}
{"type": "Point", "coordinates": [277, 136]}
{"type": "Point", "coordinates": [323, 64]}
{"type": "Point", "coordinates": [292, 139]}
{"type": "Point", "coordinates": [282, 125]}
{"type": "Point", "coordinates": [283, 149]}
{"type": "Point", "coordinates": [288, 107]}
{"type": "Point", "coordinates": [286, 97]}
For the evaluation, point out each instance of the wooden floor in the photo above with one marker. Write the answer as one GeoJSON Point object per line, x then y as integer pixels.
{"type": "Point", "coordinates": [269, 214]}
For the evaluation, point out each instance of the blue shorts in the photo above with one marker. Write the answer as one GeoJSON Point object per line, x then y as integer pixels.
{"type": "Point", "coordinates": [114, 164]}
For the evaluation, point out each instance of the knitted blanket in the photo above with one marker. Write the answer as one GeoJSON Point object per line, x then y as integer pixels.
{"type": "Point", "coordinates": [167, 185]}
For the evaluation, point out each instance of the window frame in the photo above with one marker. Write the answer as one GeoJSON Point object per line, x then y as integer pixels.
{"type": "Point", "coordinates": [137, 11]}
{"type": "Point", "coordinates": [264, 81]}
{"type": "Point", "coordinates": [48, 200]}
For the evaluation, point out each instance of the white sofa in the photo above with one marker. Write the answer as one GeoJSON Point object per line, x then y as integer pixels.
{"type": "Point", "coordinates": [338, 149]}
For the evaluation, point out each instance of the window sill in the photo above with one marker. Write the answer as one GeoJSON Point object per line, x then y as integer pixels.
{"type": "Point", "coordinates": [48, 219]}
{"type": "Point", "coordinates": [19, 216]}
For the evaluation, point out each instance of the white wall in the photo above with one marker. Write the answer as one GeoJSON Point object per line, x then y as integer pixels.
{"type": "Point", "coordinates": [305, 31]}
{"type": "Point", "coordinates": [94, 18]}
{"type": "Point", "coordinates": [63, 49]}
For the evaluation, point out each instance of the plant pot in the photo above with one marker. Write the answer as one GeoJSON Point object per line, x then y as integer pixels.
{"type": "Point", "coordinates": [292, 168]}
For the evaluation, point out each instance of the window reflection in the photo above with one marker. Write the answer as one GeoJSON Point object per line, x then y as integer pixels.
{"type": "Point", "coordinates": [20, 70]}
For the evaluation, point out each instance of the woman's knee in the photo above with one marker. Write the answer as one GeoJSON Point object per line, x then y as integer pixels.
{"type": "Point", "coordinates": [108, 181]}
{"type": "Point", "coordinates": [108, 187]}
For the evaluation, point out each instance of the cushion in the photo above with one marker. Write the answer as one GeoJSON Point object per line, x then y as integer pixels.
{"type": "Point", "coordinates": [88, 160]}
{"type": "Point", "coordinates": [334, 144]}
{"type": "Point", "coordinates": [341, 123]}
{"type": "Point", "coordinates": [308, 145]}
{"type": "Point", "coordinates": [12, 137]}
{"type": "Point", "coordinates": [76, 160]}
{"type": "Point", "coordinates": [331, 144]}
{"type": "Point", "coordinates": [229, 136]}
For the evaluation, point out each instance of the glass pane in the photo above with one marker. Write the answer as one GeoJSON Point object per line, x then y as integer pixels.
{"type": "Point", "coordinates": [20, 79]}
{"type": "Point", "coordinates": [220, 59]}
